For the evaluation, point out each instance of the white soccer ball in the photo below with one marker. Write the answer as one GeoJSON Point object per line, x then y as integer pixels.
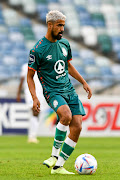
{"type": "Point", "coordinates": [86, 164]}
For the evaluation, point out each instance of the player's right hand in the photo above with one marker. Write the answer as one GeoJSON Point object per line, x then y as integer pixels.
{"type": "Point", "coordinates": [36, 105]}
{"type": "Point", "coordinates": [87, 89]}
{"type": "Point", "coordinates": [18, 99]}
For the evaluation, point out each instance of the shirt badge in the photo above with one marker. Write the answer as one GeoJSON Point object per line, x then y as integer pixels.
{"type": "Point", "coordinates": [64, 52]}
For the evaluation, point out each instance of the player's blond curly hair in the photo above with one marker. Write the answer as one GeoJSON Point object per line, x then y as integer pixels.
{"type": "Point", "coordinates": [55, 15]}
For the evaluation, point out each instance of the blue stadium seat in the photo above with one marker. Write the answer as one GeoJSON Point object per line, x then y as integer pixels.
{"type": "Point", "coordinates": [20, 46]}
{"type": "Point", "coordinates": [85, 53]}
{"type": "Point", "coordinates": [84, 16]}
{"type": "Point", "coordinates": [9, 60]}
{"type": "Point", "coordinates": [3, 37]}
{"type": "Point", "coordinates": [106, 82]}
{"type": "Point", "coordinates": [86, 22]}
{"type": "Point", "coordinates": [15, 71]}
{"type": "Point", "coordinates": [14, 29]}
{"type": "Point", "coordinates": [3, 74]}
{"type": "Point", "coordinates": [7, 52]}
{"type": "Point", "coordinates": [2, 22]}
{"type": "Point", "coordinates": [25, 22]}
{"type": "Point", "coordinates": [52, 1]}
{"type": "Point", "coordinates": [92, 71]}
{"type": "Point", "coordinates": [106, 72]}
{"type": "Point", "coordinates": [22, 60]}
{"type": "Point", "coordinates": [81, 8]}
{"type": "Point", "coordinates": [20, 53]}
{"type": "Point", "coordinates": [75, 53]}
{"type": "Point", "coordinates": [115, 43]}
{"type": "Point", "coordinates": [88, 61]}
{"type": "Point", "coordinates": [42, 9]}
{"type": "Point", "coordinates": [81, 70]}
{"type": "Point", "coordinates": [6, 46]}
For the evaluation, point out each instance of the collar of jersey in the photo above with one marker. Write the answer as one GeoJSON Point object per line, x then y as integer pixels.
{"type": "Point", "coordinates": [50, 41]}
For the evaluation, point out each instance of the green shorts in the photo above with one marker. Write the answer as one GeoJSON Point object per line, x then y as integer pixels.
{"type": "Point", "coordinates": [71, 100]}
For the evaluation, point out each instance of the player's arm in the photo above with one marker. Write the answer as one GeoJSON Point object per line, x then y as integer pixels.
{"type": "Point", "coordinates": [20, 89]}
{"type": "Point", "coordinates": [74, 73]}
{"type": "Point", "coordinates": [31, 85]}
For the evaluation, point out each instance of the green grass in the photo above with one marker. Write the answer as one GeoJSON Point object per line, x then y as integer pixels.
{"type": "Point", "coordinates": [22, 161]}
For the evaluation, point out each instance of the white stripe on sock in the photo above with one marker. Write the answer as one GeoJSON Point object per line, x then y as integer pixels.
{"type": "Point", "coordinates": [62, 127]}
{"type": "Point", "coordinates": [70, 142]}
{"type": "Point", "coordinates": [58, 141]}
{"type": "Point", "coordinates": [65, 154]}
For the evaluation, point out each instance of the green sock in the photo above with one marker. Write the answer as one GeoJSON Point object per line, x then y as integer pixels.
{"type": "Point", "coordinates": [66, 151]}
{"type": "Point", "coordinates": [59, 138]}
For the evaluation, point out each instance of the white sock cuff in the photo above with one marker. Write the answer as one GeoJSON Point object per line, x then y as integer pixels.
{"type": "Point", "coordinates": [62, 127]}
{"type": "Point", "coordinates": [55, 152]}
{"type": "Point", "coordinates": [60, 161]}
{"type": "Point", "coordinates": [70, 142]}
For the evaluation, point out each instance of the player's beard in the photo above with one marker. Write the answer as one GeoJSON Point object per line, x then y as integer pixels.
{"type": "Point", "coordinates": [58, 36]}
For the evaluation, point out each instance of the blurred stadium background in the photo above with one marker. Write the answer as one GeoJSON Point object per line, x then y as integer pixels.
{"type": "Point", "coordinates": [93, 30]}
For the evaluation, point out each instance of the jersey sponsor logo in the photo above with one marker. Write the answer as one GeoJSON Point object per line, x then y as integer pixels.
{"type": "Point", "coordinates": [31, 59]}
{"type": "Point", "coordinates": [64, 52]}
{"type": "Point", "coordinates": [49, 57]}
{"type": "Point", "coordinates": [59, 66]}
{"type": "Point", "coordinates": [55, 103]}
{"type": "Point", "coordinates": [61, 75]}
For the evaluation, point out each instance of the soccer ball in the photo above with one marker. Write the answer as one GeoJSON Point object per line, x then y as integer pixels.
{"type": "Point", "coordinates": [85, 164]}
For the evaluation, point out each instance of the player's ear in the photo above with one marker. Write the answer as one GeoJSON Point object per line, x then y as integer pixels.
{"type": "Point", "coordinates": [50, 24]}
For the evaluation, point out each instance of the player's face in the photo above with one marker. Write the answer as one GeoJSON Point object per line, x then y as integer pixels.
{"type": "Point", "coordinates": [57, 29]}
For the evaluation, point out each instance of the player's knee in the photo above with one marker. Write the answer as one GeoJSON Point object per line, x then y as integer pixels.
{"type": "Point", "coordinates": [66, 118]}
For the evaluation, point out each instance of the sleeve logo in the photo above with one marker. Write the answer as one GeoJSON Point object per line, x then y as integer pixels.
{"type": "Point", "coordinates": [55, 103]}
{"type": "Point", "coordinates": [31, 58]}
{"type": "Point", "coordinates": [64, 52]}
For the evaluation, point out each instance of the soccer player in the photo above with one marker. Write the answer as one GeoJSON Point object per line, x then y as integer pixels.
{"type": "Point", "coordinates": [34, 115]}
{"type": "Point", "coordinates": [51, 57]}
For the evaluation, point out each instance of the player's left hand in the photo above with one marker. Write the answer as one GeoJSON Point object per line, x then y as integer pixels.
{"type": "Point", "coordinates": [88, 90]}
{"type": "Point", "coordinates": [36, 105]}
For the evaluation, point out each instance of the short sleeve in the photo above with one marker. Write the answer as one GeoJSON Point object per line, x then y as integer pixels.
{"type": "Point", "coordinates": [69, 58]}
{"type": "Point", "coordinates": [32, 63]}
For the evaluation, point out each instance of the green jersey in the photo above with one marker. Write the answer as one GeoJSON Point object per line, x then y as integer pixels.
{"type": "Point", "coordinates": [50, 60]}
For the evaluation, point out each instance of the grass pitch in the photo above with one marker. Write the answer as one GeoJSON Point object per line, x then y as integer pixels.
{"type": "Point", "coordinates": [22, 161]}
